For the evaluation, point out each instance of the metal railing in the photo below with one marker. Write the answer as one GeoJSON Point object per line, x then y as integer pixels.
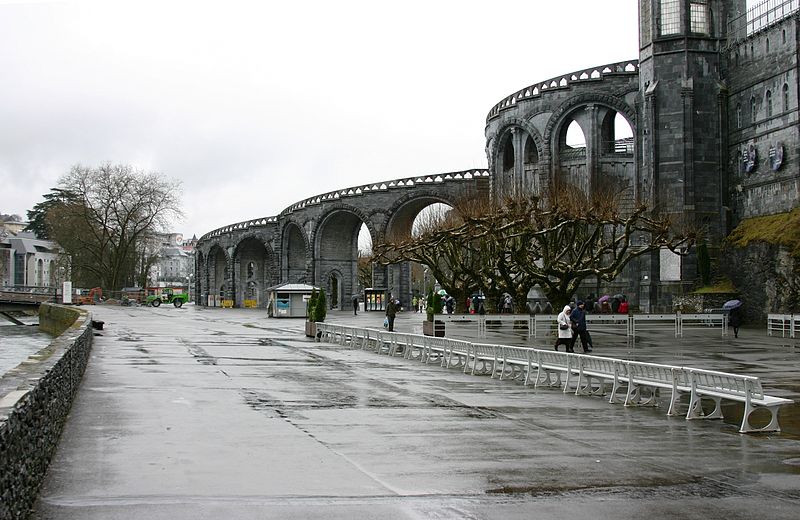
{"type": "Point", "coordinates": [760, 17]}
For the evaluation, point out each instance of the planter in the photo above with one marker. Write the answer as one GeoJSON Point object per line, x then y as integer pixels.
{"type": "Point", "coordinates": [433, 328]}
{"type": "Point", "coordinates": [311, 329]}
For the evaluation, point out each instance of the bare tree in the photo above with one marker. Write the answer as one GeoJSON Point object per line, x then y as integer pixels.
{"type": "Point", "coordinates": [110, 219]}
{"type": "Point", "coordinates": [556, 240]}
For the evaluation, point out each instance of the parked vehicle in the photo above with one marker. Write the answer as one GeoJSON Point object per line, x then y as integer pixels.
{"type": "Point", "coordinates": [89, 296]}
{"type": "Point", "coordinates": [177, 296]}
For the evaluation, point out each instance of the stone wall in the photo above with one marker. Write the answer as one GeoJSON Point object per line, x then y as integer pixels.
{"type": "Point", "coordinates": [767, 278]}
{"type": "Point", "coordinates": [35, 398]}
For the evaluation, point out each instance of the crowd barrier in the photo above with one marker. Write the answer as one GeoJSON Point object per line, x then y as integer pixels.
{"type": "Point", "coordinates": [785, 324]}
{"type": "Point", "coordinates": [539, 325]}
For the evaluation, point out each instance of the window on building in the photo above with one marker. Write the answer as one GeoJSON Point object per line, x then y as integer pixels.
{"type": "Point", "coordinates": [698, 16]}
{"type": "Point", "coordinates": [785, 97]}
{"type": "Point", "coordinates": [767, 45]}
{"type": "Point", "coordinates": [768, 100]}
{"type": "Point", "coordinates": [784, 36]}
{"type": "Point", "coordinates": [738, 115]}
{"type": "Point", "coordinates": [752, 108]}
{"type": "Point", "coordinates": [670, 17]}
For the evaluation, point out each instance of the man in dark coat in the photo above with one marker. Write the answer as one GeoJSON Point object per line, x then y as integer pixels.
{"type": "Point", "coordinates": [391, 312]}
{"type": "Point", "coordinates": [578, 319]}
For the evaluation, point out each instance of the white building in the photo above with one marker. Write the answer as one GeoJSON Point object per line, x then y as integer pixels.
{"type": "Point", "coordinates": [175, 264]}
{"type": "Point", "coordinates": [27, 261]}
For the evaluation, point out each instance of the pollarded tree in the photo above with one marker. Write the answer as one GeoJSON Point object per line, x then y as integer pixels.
{"type": "Point", "coordinates": [556, 240]}
{"type": "Point", "coordinates": [108, 220]}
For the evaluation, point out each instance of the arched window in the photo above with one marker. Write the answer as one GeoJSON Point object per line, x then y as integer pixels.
{"type": "Point", "coordinates": [785, 97]}
{"type": "Point", "coordinates": [768, 99]}
{"type": "Point", "coordinates": [753, 109]}
{"type": "Point", "coordinates": [738, 115]}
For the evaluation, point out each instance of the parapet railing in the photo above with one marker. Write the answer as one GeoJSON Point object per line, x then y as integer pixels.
{"type": "Point", "coordinates": [408, 182]}
{"type": "Point", "coordinates": [630, 67]}
{"type": "Point", "coordinates": [760, 17]}
{"type": "Point", "coordinates": [247, 224]}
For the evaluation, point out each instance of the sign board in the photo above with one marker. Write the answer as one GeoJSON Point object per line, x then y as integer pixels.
{"type": "Point", "coordinates": [67, 293]}
{"type": "Point", "coordinates": [670, 266]}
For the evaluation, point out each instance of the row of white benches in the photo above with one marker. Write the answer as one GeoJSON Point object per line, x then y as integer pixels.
{"type": "Point", "coordinates": [586, 375]}
{"type": "Point", "coordinates": [543, 324]}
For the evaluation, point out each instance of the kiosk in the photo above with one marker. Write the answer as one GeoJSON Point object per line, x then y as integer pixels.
{"type": "Point", "coordinates": [289, 300]}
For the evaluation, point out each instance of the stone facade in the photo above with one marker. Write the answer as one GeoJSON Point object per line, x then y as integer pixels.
{"type": "Point", "coordinates": [711, 111]}
{"type": "Point", "coordinates": [315, 241]}
{"type": "Point", "coordinates": [35, 399]}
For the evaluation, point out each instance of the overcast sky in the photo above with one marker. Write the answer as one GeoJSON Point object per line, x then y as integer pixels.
{"type": "Point", "coordinates": [255, 105]}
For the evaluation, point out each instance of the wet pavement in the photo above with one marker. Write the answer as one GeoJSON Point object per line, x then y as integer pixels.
{"type": "Point", "coordinates": [208, 413]}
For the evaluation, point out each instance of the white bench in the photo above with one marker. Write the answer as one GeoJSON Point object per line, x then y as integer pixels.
{"type": "Point", "coordinates": [641, 381]}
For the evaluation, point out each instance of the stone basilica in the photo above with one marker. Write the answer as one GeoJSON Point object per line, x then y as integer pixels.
{"type": "Point", "coordinates": [710, 118]}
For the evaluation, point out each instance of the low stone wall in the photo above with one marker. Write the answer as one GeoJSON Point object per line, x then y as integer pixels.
{"type": "Point", "coordinates": [35, 398]}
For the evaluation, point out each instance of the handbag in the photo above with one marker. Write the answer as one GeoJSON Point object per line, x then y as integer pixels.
{"type": "Point", "coordinates": [385, 323]}
{"type": "Point", "coordinates": [563, 326]}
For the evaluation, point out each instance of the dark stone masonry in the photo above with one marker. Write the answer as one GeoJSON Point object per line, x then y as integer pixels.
{"type": "Point", "coordinates": [37, 396]}
{"type": "Point", "coordinates": [703, 125]}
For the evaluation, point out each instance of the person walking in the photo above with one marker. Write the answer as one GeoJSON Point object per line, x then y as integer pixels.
{"type": "Point", "coordinates": [578, 319]}
{"type": "Point", "coordinates": [735, 320]}
{"type": "Point", "coordinates": [355, 305]}
{"type": "Point", "coordinates": [565, 329]}
{"type": "Point", "coordinates": [391, 312]}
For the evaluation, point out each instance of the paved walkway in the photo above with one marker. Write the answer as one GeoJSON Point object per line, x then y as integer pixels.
{"type": "Point", "coordinates": [208, 413]}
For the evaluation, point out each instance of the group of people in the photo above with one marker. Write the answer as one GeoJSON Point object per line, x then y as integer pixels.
{"type": "Point", "coordinates": [571, 326]}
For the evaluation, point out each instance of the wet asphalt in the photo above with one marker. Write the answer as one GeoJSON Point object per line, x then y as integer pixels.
{"type": "Point", "coordinates": [200, 414]}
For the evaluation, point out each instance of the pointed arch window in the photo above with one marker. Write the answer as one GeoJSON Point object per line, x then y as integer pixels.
{"type": "Point", "coordinates": [768, 100]}
{"type": "Point", "coordinates": [752, 108]}
{"type": "Point", "coordinates": [738, 115]}
{"type": "Point", "coordinates": [785, 97]}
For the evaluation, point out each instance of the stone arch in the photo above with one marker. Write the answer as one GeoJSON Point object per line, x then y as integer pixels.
{"type": "Point", "coordinates": [599, 161]}
{"type": "Point", "coordinates": [335, 242]}
{"type": "Point", "coordinates": [253, 271]}
{"type": "Point", "coordinates": [402, 215]}
{"type": "Point", "coordinates": [217, 275]}
{"type": "Point", "coordinates": [511, 158]}
{"type": "Point", "coordinates": [295, 253]}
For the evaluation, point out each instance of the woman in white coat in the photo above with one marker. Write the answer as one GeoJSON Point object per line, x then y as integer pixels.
{"type": "Point", "coordinates": [565, 329]}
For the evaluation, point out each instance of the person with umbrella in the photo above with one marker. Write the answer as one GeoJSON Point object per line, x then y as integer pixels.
{"type": "Point", "coordinates": [734, 308]}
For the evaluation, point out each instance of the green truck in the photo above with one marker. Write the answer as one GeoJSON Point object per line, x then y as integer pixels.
{"type": "Point", "coordinates": [177, 296]}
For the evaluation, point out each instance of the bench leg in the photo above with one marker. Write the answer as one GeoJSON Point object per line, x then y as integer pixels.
{"type": "Point", "coordinates": [696, 408]}
{"type": "Point", "coordinates": [746, 427]}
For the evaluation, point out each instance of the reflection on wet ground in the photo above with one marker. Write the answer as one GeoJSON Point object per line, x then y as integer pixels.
{"type": "Point", "coordinates": [245, 417]}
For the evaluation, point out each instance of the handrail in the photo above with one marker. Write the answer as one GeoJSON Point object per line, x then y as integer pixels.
{"type": "Point", "coordinates": [564, 81]}
{"type": "Point", "coordinates": [758, 17]}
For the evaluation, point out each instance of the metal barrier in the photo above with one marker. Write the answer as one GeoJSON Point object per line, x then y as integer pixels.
{"type": "Point", "coordinates": [541, 325]}
{"type": "Point", "coordinates": [709, 319]}
{"type": "Point", "coordinates": [786, 324]}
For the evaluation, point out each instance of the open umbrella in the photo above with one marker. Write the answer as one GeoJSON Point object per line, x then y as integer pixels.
{"type": "Point", "coordinates": [442, 292]}
{"type": "Point", "coordinates": [732, 304]}
{"type": "Point", "coordinates": [604, 298]}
